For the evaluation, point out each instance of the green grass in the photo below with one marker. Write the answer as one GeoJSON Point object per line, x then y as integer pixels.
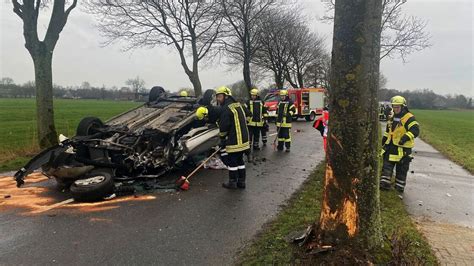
{"type": "Point", "coordinates": [270, 246]}
{"type": "Point", "coordinates": [18, 124]}
{"type": "Point", "coordinates": [451, 132]}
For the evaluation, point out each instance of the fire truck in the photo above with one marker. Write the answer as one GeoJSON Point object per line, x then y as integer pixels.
{"type": "Point", "coordinates": [309, 102]}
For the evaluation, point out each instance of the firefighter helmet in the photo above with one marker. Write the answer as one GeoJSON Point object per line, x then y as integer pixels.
{"type": "Point", "coordinates": [224, 90]}
{"type": "Point", "coordinates": [398, 100]}
{"type": "Point", "coordinates": [283, 93]}
{"type": "Point", "coordinates": [202, 112]}
{"type": "Point", "coordinates": [183, 94]}
{"type": "Point", "coordinates": [254, 91]}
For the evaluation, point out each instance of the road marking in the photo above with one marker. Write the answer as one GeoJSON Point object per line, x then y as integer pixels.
{"type": "Point", "coordinates": [273, 134]}
{"type": "Point", "coordinates": [59, 204]}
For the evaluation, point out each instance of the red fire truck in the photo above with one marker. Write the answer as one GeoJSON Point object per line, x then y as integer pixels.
{"type": "Point", "coordinates": [309, 102]}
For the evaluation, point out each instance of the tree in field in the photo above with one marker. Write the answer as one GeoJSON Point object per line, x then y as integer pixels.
{"type": "Point", "coordinates": [350, 208]}
{"type": "Point", "coordinates": [242, 31]}
{"type": "Point", "coordinates": [306, 48]}
{"type": "Point", "coordinates": [41, 52]}
{"type": "Point", "coordinates": [401, 35]}
{"type": "Point", "coordinates": [191, 27]}
{"type": "Point", "coordinates": [318, 72]}
{"type": "Point", "coordinates": [275, 43]}
{"type": "Point", "coordinates": [137, 85]}
{"type": "Point", "coordinates": [6, 81]}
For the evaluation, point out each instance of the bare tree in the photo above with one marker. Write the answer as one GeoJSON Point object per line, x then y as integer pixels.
{"type": "Point", "coordinates": [42, 54]}
{"type": "Point", "coordinates": [318, 72]}
{"type": "Point", "coordinates": [6, 81]}
{"type": "Point", "coordinates": [137, 85]}
{"type": "Point", "coordinates": [275, 43]}
{"type": "Point", "coordinates": [242, 29]}
{"type": "Point", "coordinates": [239, 91]}
{"type": "Point", "coordinates": [382, 81]}
{"type": "Point", "coordinates": [307, 48]}
{"type": "Point", "coordinates": [190, 26]}
{"type": "Point", "coordinates": [401, 35]}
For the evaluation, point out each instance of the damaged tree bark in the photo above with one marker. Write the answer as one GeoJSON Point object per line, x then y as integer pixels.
{"type": "Point", "coordinates": [350, 208]}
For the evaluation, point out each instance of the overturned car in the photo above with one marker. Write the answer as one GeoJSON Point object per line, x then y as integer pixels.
{"type": "Point", "coordinates": [140, 144]}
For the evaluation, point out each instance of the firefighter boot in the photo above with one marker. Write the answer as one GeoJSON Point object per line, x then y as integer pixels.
{"type": "Point", "coordinates": [280, 146]}
{"type": "Point", "coordinates": [232, 184]}
{"type": "Point", "coordinates": [241, 180]}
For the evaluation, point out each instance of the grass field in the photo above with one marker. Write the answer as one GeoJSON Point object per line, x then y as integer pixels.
{"type": "Point", "coordinates": [18, 124]}
{"type": "Point", "coordinates": [450, 132]}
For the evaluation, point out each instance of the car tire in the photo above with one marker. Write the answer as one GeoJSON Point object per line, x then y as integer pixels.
{"type": "Point", "coordinates": [310, 117]}
{"type": "Point", "coordinates": [93, 187]}
{"type": "Point", "coordinates": [207, 98]}
{"type": "Point", "coordinates": [156, 93]}
{"type": "Point", "coordinates": [63, 184]}
{"type": "Point", "coordinates": [88, 126]}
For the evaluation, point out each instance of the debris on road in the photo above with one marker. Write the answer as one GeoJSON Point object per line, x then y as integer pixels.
{"type": "Point", "coordinates": [215, 163]}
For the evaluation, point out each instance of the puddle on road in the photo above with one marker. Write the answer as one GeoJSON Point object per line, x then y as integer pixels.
{"type": "Point", "coordinates": [37, 196]}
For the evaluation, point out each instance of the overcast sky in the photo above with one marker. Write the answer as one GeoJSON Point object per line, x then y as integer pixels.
{"type": "Point", "coordinates": [446, 67]}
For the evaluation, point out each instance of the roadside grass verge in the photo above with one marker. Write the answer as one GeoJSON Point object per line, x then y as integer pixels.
{"type": "Point", "coordinates": [270, 247]}
{"type": "Point", "coordinates": [18, 124]}
{"type": "Point", "coordinates": [451, 132]}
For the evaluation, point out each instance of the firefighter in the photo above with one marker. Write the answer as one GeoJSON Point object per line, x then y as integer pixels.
{"type": "Point", "coordinates": [397, 143]}
{"type": "Point", "coordinates": [183, 93]}
{"type": "Point", "coordinates": [256, 121]}
{"type": "Point", "coordinates": [233, 133]}
{"type": "Point", "coordinates": [285, 111]}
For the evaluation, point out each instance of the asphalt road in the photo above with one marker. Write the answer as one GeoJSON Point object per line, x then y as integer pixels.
{"type": "Point", "coordinates": [205, 225]}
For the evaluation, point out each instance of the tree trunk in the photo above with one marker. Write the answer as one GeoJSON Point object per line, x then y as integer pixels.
{"type": "Point", "coordinates": [350, 207]}
{"type": "Point", "coordinates": [279, 80]}
{"type": "Point", "coordinates": [246, 73]}
{"type": "Point", "coordinates": [47, 135]}
{"type": "Point", "coordinates": [300, 79]}
{"type": "Point", "coordinates": [194, 78]}
{"type": "Point", "coordinates": [192, 75]}
{"type": "Point", "coordinates": [289, 79]}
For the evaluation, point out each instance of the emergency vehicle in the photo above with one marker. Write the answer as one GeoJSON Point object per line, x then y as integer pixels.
{"type": "Point", "coordinates": [309, 102]}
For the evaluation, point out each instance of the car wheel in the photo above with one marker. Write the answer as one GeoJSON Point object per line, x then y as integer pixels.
{"type": "Point", "coordinates": [89, 126]}
{"type": "Point", "coordinates": [207, 98]}
{"type": "Point", "coordinates": [93, 187]}
{"type": "Point", "coordinates": [63, 184]}
{"type": "Point", "coordinates": [156, 93]}
{"type": "Point", "coordinates": [310, 117]}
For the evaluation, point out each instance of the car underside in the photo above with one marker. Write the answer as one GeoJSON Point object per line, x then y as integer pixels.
{"type": "Point", "coordinates": [140, 144]}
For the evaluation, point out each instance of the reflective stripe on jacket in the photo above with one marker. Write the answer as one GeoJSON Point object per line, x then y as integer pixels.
{"type": "Point", "coordinates": [257, 113]}
{"type": "Point", "coordinates": [285, 111]}
{"type": "Point", "coordinates": [396, 129]}
{"type": "Point", "coordinates": [233, 127]}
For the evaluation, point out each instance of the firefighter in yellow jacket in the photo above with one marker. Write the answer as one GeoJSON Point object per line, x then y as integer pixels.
{"type": "Point", "coordinates": [256, 121]}
{"type": "Point", "coordinates": [397, 143]}
{"type": "Point", "coordinates": [233, 132]}
{"type": "Point", "coordinates": [284, 114]}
